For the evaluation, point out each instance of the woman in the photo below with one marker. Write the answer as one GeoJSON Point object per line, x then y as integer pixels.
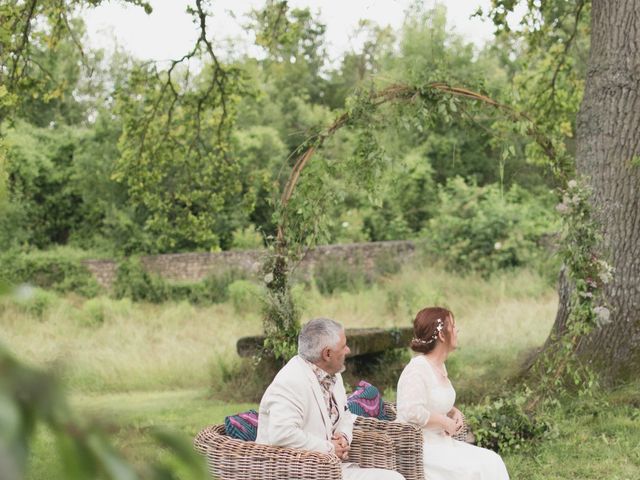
{"type": "Point", "coordinates": [426, 398]}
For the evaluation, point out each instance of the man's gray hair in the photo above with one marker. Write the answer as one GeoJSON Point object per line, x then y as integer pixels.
{"type": "Point", "coordinates": [317, 335]}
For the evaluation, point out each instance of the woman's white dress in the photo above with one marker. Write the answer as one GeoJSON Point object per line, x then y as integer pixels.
{"type": "Point", "coordinates": [420, 394]}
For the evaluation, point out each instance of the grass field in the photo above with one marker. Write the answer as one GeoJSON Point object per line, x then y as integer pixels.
{"type": "Point", "coordinates": [106, 345]}
{"type": "Point", "coordinates": [590, 442]}
{"type": "Point", "coordinates": [142, 365]}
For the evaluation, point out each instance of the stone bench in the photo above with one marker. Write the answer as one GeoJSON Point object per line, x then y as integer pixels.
{"type": "Point", "coordinates": [363, 342]}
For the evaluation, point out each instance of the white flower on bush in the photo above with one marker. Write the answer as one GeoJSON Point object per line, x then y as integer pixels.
{"type": "Point", "coordinates": [603, 316]}
{"type": "Point", "coordinates": [268, 278]}
{"type": "Point", "coordinates": [606, 272]}
{"type": "Point", "coordinates": [572, 184]}
{"type": "Point", "coordinates": [563, 208]}
{"type": "Point", "coordinates": [497, 245]}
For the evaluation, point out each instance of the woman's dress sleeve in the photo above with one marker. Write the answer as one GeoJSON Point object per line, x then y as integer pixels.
{"type": "Point", "coordinates": [413, 395]}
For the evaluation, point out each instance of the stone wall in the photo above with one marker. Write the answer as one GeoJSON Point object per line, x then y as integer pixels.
{"type": "Point", "coordinates": [196, 266]}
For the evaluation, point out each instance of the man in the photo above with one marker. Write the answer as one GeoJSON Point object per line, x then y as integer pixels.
{"type": "Point", "coordinates": [305, 406]}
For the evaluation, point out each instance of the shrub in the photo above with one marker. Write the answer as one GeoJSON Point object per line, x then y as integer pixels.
{"type": "Point", "coordinates": [403, 300]}
{"type": "Point", "coordinates": [247, 239]}
{"type": "Point", "coordinates": [93, 312]}
{"type": "Point", "coordinates": [349, 228]}
{"type": "Point", "coordinates": [192, 292]}
{"type": "Point", "coordinates": [504, 426]}
{"type": "Point", "coordinates": [300, 294]}
{"type": "Point", "coordinates": [245, 296]}
{"type": "Point", "coordinates": [133, 282]}
{"type": "Point", "coordinates": [387, 263]}
{"type": "Point", "coordinates": [333, 276]}
{"type": "Point", "coordinates": [216, 284]}
{"type": "Point", "coordinates": [59, 270]}
{"type": "Point", "coordinates": [480, 229]}
{"type": "Point", "coordinates": [34, 301]}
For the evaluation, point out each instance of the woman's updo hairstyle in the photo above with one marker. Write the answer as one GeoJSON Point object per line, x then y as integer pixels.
{"type": "Point", "coordinates": [429, 322]}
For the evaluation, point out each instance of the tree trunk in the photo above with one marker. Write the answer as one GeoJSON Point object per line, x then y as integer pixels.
{"type": "Point", "coordinates": [608, 154]}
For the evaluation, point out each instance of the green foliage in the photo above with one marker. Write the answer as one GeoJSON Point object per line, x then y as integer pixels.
{"type": "Point", "coordinates": [30, 398]}
{"type": "Point", "coordinates": [94, 312]}
{"type": "Point", "coordinates": [360, 66]}
{"type": "Point", "coordinates": [481, 229]}
{"type": "Point", "coordinates": [3, 179]}
{"type": "Point", "coordinates": [304, 215]}
{"type": "Point", "coordinates": [281, 324]}
{"type": "Point", "coordinates": [333, 276]}
{"type": "Point", "coordinates": [216, 285]}
{"type": "Point", "coordinates": [34, 301]}
{"type": "Point", "coordinates": [387, 264]}
{"type": "Point", "coordinates": [175, 164]}
{"type": "Point", "coordinates": [155, 161]}
{"type": "Point", "coordinates": [338, 275]}
{"type": "Point", "coordinates": [134, 282]}
{"type": "Point", "coordinates": [280, 313]}
{"type": "Point", "coordinates": [245, 296]}
{"type": "Point", "coordinates": [561, 371]}
{"type": "Point", "coordinates": [294, 42]}
{"type": "Point", "coordinates": [504, 426]}
{"type": "Point", "coordinates": [247, 239]}
{"type": "Point", "coordinates": [59, 270]}
{"type": "Point", "coordinates": [386, 223]}
{"type": "Point", "coordinates": [348, 228]}
{"type": "Point", "coordinates": [175, 160]}
{"type": "Point", "coordinates": [109, 223]}
{"type": "Point", "coordinates": [260, 152]}
{"type": "Point", "coordinates": [45, 202]}
{"type": "Point", "coordinates": [547, 55]}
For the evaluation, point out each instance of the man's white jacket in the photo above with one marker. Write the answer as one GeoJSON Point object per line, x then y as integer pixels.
{"type": "Point", "coordinates": [293, 412]}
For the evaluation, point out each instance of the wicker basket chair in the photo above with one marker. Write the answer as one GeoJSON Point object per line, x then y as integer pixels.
{"type": "Point", "coordinates": [407, 441]}
{"type": "Point", "coordinates": [464, 435]}
{"type": "Point", "coordinates": [376, 443]}
{"type": "Point", "coordinates": [232, 459]}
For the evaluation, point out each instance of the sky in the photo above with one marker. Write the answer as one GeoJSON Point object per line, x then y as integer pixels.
{"type": "Point", "coordinates": [169, 32]}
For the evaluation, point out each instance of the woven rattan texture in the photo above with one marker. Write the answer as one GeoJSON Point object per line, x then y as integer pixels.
{"type": "Point", "coordinates": [376, 443]}
{"type": "Point", "coordinates": [231, 459]}
{"type": "Point", "coordinates": [407, 441]}
{"type": "Point", "coordinates": [372, 449]}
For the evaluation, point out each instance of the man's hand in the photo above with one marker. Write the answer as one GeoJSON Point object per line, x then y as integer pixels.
{"type": "Point", "coordinates": [341, 446]}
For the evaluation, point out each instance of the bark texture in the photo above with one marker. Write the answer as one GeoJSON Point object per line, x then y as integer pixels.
{"type": "Point", "coordinates": [608, 141]}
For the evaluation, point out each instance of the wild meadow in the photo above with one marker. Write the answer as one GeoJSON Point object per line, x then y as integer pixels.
{"type": "Point", "coordinates": [134, 366]}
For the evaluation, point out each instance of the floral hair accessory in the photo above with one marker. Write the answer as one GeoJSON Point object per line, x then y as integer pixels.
{"type": "Point", "coordinates": [424, 342]}
{"type": "Point", "coordinates": [433, 338]}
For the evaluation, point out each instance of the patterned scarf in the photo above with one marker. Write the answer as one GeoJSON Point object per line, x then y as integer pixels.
{"type": "Point", "coordinates": [327, 382]}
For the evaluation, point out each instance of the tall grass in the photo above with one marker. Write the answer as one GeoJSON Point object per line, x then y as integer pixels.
{"type": "Point", "coordinates": [106, 345]}
{"type": "Point", "coordinates": [120, 346]}
{"type": "Point", "coordinates": [142, 365]}
{"type": "Point", "coordinates": [501, 320]}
